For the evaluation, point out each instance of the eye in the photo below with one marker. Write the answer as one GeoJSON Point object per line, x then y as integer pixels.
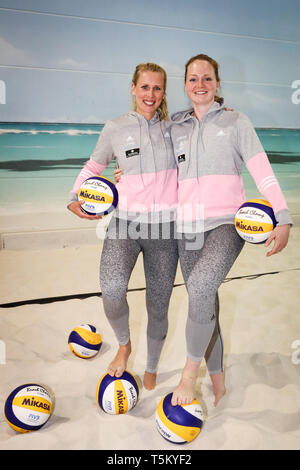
{"type": "Point", "coordinates": [208, 79]}
{"type": "Point", "coordinates": [144, 87]}
{"type": "Point", "coordinates": [192, 79]}
{"type": "Point", "coordinates": [157, 88]}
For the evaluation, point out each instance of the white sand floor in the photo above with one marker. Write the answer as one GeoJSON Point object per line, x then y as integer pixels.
{"type": "Point", "coordinates": [260, 324]}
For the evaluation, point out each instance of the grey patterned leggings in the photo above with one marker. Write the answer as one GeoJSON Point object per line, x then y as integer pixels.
{"type": "Point", "coordinates": [123, 243]}
{"type": "Point", "coordinates": [203, 271]}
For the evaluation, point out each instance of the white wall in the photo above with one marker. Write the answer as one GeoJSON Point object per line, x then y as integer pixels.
{"type": "Point", "coordinates": [72, 60]}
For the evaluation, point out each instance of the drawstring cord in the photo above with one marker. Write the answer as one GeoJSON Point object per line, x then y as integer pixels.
{"type": "Point", "coordinates": [166, 150]}
{"type": "Point", "coordinates": [141, 155]}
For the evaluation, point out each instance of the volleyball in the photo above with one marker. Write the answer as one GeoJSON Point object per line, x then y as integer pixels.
{"type": "Point", "coordinates": [85, 341]}
{"type": "Point", "coordinates": [28, 407]}
{"type": "Point", "coordinates": [181, 423]}
{"type": "Point", "coordinates": [255, 220]}
{"type": "Point", "coordinates": [99, 194]}
{"type": "Point", "coordinates": [117, 395]}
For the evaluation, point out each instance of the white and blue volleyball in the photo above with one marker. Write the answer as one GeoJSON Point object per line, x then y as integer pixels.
{"type": "Point", "coordinates": [181, 423]}
{"type": "Point", "coordinates": [99, 194]}
{"type": "Point", "coordinates": [28, 407]}
{"type": "Point", "coordinates": [85, 341]}
{"type": "Point", "coordinates": [117, 395]}
{"type": "Point", "coordinates": [255, 220]}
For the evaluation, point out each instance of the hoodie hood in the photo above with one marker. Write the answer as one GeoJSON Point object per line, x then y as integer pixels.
{"type": "Point", "coordinates": [141, 118]}
{"type": "Point", "coordinates": [181, 116]}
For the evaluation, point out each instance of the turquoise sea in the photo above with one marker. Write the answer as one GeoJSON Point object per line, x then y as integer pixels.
{"type": "Point", "coordinates": [39, 163]}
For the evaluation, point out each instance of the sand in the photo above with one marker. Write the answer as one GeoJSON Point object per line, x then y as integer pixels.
{"type": "Point", "coordinates": [261, 330]}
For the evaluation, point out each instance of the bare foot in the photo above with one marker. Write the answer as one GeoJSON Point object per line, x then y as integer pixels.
{"type": "Point", "coordinates": [218, 382]}
{"type": "Point", "coordinates": [119, 363]}
{"type": "Point", "coordinates": [149, 380]}
{"type": "Point", "coordinates": [185, 392]}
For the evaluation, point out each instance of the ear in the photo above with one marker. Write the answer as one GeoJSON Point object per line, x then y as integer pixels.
{"type": "Point", "coordinates": [132, 88]}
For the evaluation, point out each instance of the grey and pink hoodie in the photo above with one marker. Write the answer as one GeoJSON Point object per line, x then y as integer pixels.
{"type": "Point", "coordinates": [209, 155]}
{"type": "Point", "coordinates": [143, 150]}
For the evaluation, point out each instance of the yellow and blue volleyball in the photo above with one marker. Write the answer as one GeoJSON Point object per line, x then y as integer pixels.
{"type": "Point", "coordinates": [255, 220]}
{"type": "Point", "coordinates": [85, 341]}
{"type": "Point", "coordinates": [181, 423]}
{"type": "Point", "coordinates": [117, 395]}
{"type": "Point", "coordinates": [99, 194]}
{"type": "Point", "coordinates": [28, 407]}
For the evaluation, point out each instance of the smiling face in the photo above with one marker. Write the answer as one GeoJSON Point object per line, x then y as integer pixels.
{"type": "Point", "coordinates": [201, 83]}
{"type": "Point", "coordinates": [149, 92]}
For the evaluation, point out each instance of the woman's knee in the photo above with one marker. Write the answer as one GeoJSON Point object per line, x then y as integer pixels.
{"type": "Point", "coordinates": [114, 290]}
{"type": "Point", "coordinates": [203, 307]}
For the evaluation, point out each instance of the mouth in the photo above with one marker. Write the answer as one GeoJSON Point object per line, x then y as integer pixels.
{"type": "Point", "coordinates": [149, 102]}
{"type": "Point", "coordinates": [200, 92]}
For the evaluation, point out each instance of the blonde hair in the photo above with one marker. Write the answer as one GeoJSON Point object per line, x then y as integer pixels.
{"type": "Point", "coordinates": [150, 67]}
{"type": "Point", "coordinates": [212, 62]}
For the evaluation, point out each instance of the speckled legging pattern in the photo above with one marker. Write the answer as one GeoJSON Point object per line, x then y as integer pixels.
{"type": "Point", "coordinates": [203, 271]}
{"type": "Point", "coordinates": [119, 255]}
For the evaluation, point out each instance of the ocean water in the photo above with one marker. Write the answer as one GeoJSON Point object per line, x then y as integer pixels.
{"type": "Point", "coordinates": [39, 163]}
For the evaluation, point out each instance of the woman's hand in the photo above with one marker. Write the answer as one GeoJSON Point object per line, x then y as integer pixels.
{"type": "Point", "coordinates": [117, 173]}
{"type": "Point", "coordinates": [280, 236]}
{"type": "Point", "coordinates": [75, 207]}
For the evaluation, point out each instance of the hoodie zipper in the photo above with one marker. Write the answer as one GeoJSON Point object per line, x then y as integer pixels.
{"type": "Point", "coordinates": [144, 122]}
{"type": "Point", "coordinates": [154, 162]}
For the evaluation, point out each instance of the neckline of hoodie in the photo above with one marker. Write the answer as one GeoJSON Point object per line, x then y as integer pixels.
{"type": "Point", "coordinates": [184, 115]}
{"type": "Point", "coordinates": [142, 118]}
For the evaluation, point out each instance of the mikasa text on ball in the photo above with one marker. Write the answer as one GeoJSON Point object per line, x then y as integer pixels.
{"type": "Point", "coordinates": [85, 341]}
{"type": "Point", "coordinates": [117, 395]}
{"type": "Point", "coordinates": [255, 220]}
{"type": "Point", "coordinates": [181, 423]}
{"type": "Point", "coordinates": [99, 194]}
{"type": "Point", "coordinates": [28, 407]}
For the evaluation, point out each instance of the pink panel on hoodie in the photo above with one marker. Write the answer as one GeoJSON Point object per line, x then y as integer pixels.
{"type": "Point", "coordinates": [213, 195]}
{"type": "Point", "coordinates": [148, 191]}
{"type": "Point", "coordinates": [91, 168]}
{"type": "Point", "coordinates": [263, 175]}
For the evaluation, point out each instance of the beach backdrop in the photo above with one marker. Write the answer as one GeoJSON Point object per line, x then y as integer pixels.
{"type": "Point", "coordinates": [66, 68]}
{"type": "Point", "coordinates": [39, 163]}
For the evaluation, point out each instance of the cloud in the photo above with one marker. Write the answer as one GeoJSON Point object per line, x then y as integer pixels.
{"type": "Point", "coordinates": [269, 98]}
{"type": "Point", "coordinates": [69, 63]}
{"type": "Point", "coordinates": [11, 55]}
{"type": "Point", "coordinates": [173, 69]}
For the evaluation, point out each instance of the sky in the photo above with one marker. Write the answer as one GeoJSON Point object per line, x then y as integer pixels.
{"type": "Point", "coordinates": [72, 61]}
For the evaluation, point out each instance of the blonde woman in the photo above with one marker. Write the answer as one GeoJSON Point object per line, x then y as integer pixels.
{"type": "Point", "coordinates": [139, 140]}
